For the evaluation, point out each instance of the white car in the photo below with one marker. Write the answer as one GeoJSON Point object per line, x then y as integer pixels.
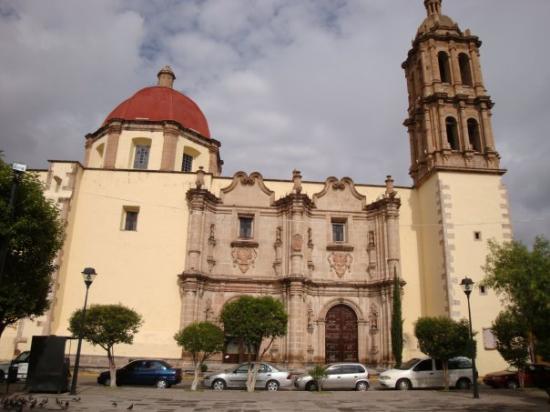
{"type": "Point", "coordinates": [22, 364]}
{"type": "Point", "coordinates": [428, 373]}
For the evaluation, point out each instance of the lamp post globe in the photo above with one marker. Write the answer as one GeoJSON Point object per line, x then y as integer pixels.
{"type": "Point", "coordinates": [88, 274]}
{"type": "Point", "coordinates": [467, 285]}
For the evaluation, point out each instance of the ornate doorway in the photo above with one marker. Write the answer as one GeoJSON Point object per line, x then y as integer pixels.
{"type": "Point", "coordinates": [341, 335]}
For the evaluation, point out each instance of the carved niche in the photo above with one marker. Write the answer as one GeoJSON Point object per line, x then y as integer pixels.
{"type": "Point", "coordinates": [340, 262]}
{"type": "Point", "coordinates": [296, 243]}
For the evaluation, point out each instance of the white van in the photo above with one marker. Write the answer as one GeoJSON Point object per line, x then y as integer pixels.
{"type": "Point", "coordinates": [428, 373]}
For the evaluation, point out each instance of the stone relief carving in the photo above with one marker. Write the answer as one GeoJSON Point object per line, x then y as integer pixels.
{"type": "Point", "coordinates": [340, 262]}
{"type": "Point", "coordinates": [211, 244]}
{"type": "Point", "coordinates": [244, 257]}
{"type": "Point", "coordinates": [277, 246]}
{"type": "Point", "coordinates": [371, 255]}
{"type": "Point", "coordinates": [296, 243]}
{"type": "Point", "coordinates": [310, 318]}
{"type": "Point", "coordinates": [373, 318]}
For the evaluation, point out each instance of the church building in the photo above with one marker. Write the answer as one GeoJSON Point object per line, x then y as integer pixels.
{"type": "Point", "coordinates": [173, 238]}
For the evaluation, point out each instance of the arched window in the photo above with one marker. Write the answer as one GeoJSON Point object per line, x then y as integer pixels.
{"type": "Point", "coordinates": [465, 72]}
{"type": "Point", "coordinates": [473, 135]}
{"type": "Point", "coordinates": [444, 68]}
{"type": "Point", "coordinates": [452, 133]}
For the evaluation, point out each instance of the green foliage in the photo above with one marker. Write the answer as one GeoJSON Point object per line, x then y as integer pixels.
{"type": "Point", "coordinates": [200, 338]}
{"type": "Point", "coordinates": [397, 324]}
{"type": "Point", "coordinates": [443, 338]}
{"type": "Point", "coordinates": [254, 319]}
{"type": "Point", "coordinates": [522, 278]}
{"type": "Point", "coordinates": [512, 338]}
{"type": "Point", "coordinates": [204, 367]}
{"type": "Point", "coordinates": [318, 373]}
{"type": "Point", "coordinates": [30, 234]}
{"type": "Point", "coordinates": [106, 325]}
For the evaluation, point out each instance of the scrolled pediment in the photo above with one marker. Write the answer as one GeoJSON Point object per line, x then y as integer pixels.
{"type": "Point", "coordinates": [339, 194]}
{"type": "Point", "coordinates": [247, 190]}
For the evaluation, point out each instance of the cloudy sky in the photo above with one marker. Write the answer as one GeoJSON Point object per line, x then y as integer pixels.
{"type": "Point", "coordinates": [314, 85]}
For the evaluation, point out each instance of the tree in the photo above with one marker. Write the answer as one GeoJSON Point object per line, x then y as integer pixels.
{"type": "Point", "coordinates": [252, 320]}
{"type": "Point", "coordinates": [512, 341]}
{"type": "Point", "coordinates": [318, 373]}
{"type": "Point", "coordinates": [31, 234]}
{"type": "Point", "coordinates": [397, 324]}
{"type": "Point", "coordinates": [106, 326]}
{"type": "Point", "coordinates": [201, 340]}
{"type": "Point", "coordinates": [522, 278]}
{"type": "Point", "coordinates": [443, 338]}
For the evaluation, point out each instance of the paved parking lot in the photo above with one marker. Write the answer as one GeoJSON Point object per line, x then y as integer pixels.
{"type": "Point", "coordinates": [93, 397]}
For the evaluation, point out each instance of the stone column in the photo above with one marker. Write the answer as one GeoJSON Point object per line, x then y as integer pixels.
{"type": "Point", "coordinates": [464, 127]}
{"type": "Point", "coordinates": [296, 324]}
{"type": "Point", "coordinates": [297, 237]}
{"type": "Point", "coordinates": [457, 79]}
{"type": "Point", "coordinates": [435, 62]}
{"type": "Point", "coordinates": [476, 70]}
{"type": "Point", "coordinates": [168, 160]}
{"type": "Point", "coordinates": [443, 130]}
{"type": "Point", "coordinates": [115, 128]}
{"type": "Point", "coordinates": [392, 227]}
{"type": "Point", "coordinates": [428, 75]}
{"type": "Point", "coordinates": [428, 126]}
{"type": "Point", "coordinates": [194, 237]}
{"type": "Point", "coordinates": [487, 129]}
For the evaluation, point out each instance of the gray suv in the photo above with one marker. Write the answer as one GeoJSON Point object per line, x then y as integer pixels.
{"type": "Point", "coordinates": [339, 376]}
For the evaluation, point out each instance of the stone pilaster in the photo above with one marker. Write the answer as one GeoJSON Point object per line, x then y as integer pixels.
{"type": "Point", "coordinates": [296, 322]}
{"type": "Point", "coordinates": [113, 136]}
{"type": "Point", "coordinates": [168, 160]}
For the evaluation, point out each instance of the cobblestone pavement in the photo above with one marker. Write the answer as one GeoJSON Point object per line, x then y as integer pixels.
{"type": "Point", "coordinates": [92, 397]}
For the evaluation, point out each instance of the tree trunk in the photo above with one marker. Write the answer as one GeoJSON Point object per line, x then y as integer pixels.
{"type": "Point", "coordinates": [521, 377]}
{"type": "Point", "coordinates": [196, 377]}
{"type": "Point", "coordinates": [251, 378]}
{"type": "Point", "coordinates": [532, 355]}
{"type": "Point", "coordinates": [446, 373]}
{"type": "Point", "coordinates": [112, 367]}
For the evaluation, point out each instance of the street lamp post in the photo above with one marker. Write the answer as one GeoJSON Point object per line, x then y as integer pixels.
{"type": "Point", "coordinates": [89, 275]}
{"type": "Point", "coordinates": [18, 170]}
{"type": "Point", "coordinates": [467, 285]}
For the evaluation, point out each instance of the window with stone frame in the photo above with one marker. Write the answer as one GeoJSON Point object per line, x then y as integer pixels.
{"type": "Point", "coordinates": [187, 163]}
{"type": "Point", "coordinates": [130, 218]}
{"type": "Point", "coordinates": [338, 230]}
{"type": "Point", "coordinates": [141, 156]}
{"type": "Point", "coordinates": [246, 226]}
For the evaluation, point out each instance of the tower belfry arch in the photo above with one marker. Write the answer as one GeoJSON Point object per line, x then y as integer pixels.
{"type": "Point", "coordinates": [449, 113]}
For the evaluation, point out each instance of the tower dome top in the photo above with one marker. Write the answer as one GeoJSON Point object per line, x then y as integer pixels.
{"type": "Point", "coordinates": [435, 20]}
{"type": "Point", "coordinates": [162, 102]}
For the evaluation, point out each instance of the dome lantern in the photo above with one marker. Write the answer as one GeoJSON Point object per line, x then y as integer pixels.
{"type": "Point", "coordinates": [166, 77]}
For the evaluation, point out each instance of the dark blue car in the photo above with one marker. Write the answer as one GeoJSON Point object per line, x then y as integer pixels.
{"type": "Point", "coordinates": [144, 372]}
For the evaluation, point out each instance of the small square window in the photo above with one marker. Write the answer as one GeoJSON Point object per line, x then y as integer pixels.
{"type": "Point", "coordinates": [338, 230]}
{"type": "Point", "coordinates": [245, 227]}
{"type": "Point", "coordinates": [477, 235]}
{"type": "Point", "coordinates": [130, 219]}
{"type": "Point", "coordinates": [187, 163]}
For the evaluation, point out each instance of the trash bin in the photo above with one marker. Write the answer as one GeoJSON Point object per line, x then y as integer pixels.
{"type": "Point", "coordinates": [12, 373]}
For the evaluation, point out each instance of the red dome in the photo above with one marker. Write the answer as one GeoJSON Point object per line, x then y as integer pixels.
{"type": "Point", "coordinates": [158, 103]}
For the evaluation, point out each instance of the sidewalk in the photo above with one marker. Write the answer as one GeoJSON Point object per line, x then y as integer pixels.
{"type": "Point", "coordinates": [92, 397]}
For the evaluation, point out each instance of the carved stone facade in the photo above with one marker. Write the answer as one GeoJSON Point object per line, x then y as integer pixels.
{"type": "Point", "coordinates": [292, 256]}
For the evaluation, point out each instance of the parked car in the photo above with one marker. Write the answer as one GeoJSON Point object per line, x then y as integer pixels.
{"type": "Point", "coordinates": [535, 375]}
{"type": "Point", "coordinates": [21, 362]}
{"type": "Point", "coordinates": [144, 372]}
{"type": "Point", "coordinates": [428, 373]}
{"type": "Point", "coordinates": [339, 376]}
{"type": "Point", "coordinates": [269, 377]}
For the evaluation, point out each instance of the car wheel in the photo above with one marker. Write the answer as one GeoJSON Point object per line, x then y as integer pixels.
{"type": "Point", "coordinates": [219, 385]}
{"type": "Point", "coordinates": [362, 386]}
{"type": "Point", "coordinates": [512, 385]}
{"type": "Point", "coordinates": [272, 386]}
{"type": "Point", "coordinates": [403, 385]}
{"type": "Point", "coordinates": [161, 384]}
{"type": "Point", "coordinates": [463, 383]}
{"type": "Point", "coordinates": [312, 386]}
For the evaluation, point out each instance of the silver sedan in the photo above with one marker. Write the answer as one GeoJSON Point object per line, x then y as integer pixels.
{"type": "Point", "coordinates": [268, 377]}
{"type": "Point", "coordinates": [339, 376]}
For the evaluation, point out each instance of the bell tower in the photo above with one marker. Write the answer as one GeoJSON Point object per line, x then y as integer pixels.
{"type": "Point", "coordinates": [449, 112]}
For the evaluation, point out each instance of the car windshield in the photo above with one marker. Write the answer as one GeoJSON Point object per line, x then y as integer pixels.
{"type": "Point", "coordinates": [409, 364]}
